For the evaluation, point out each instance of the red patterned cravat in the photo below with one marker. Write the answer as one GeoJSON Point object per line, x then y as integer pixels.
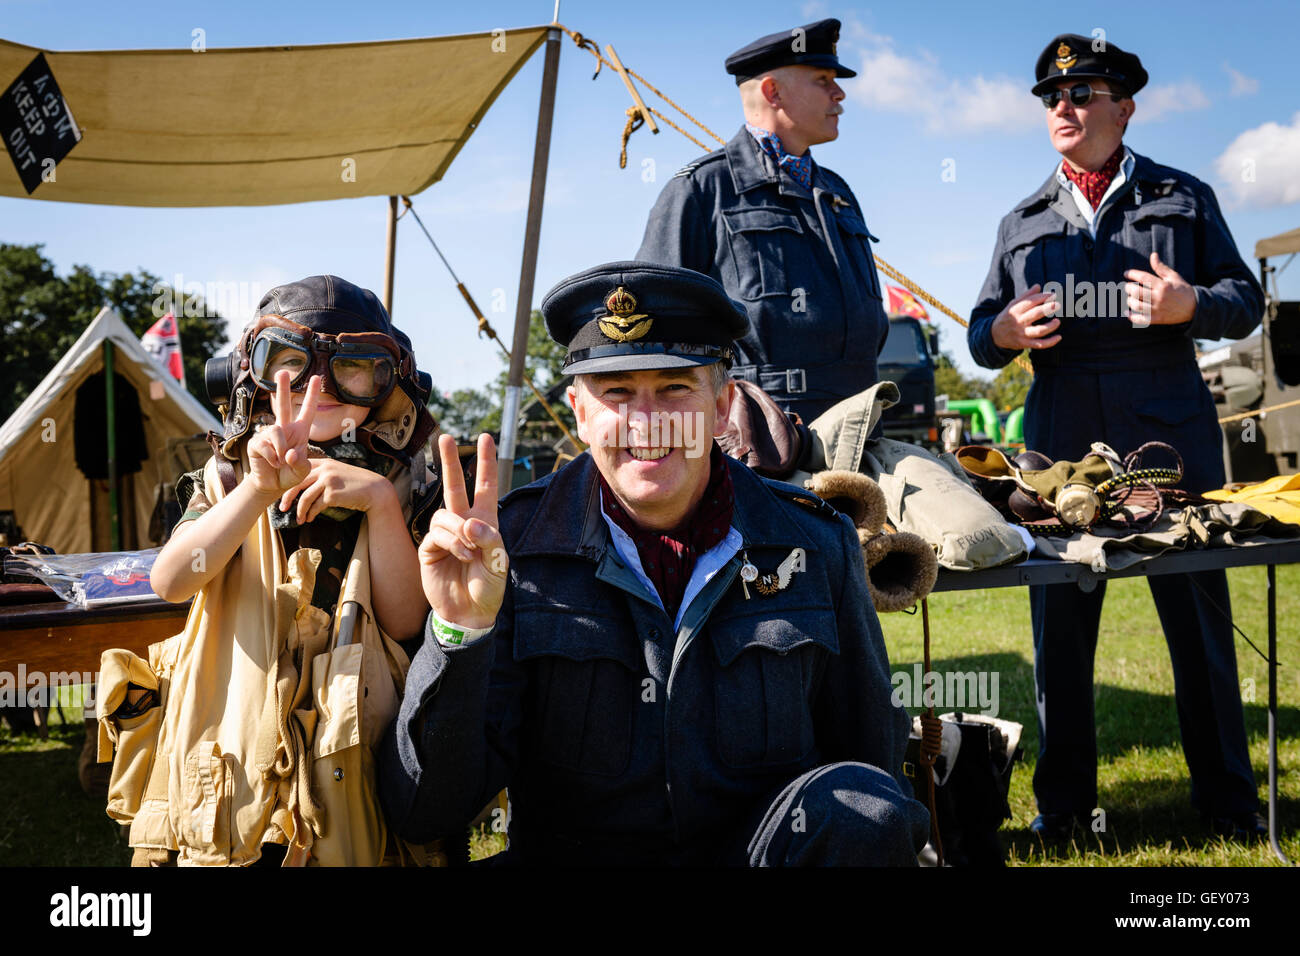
{"type": "Point", "coordinates": [668, 558]}
{"type": "Point", "coordinates": [1094, 185]}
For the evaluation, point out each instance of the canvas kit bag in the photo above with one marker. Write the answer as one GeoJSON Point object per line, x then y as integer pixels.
{"type": "Point", "coordinates": [926, 494]}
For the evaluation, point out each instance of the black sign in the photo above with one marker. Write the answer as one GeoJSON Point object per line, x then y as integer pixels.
{"type": "Point", "coordinates": [36, 124]}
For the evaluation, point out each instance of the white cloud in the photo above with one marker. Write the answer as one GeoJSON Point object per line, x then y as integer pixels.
{"type": "Point", "coordinates": [1155, 102]}
{"type": "Point", "coordinates": [1242, 85]}
{"type": "Point", "coordinates": [813, 9]}
{"type": "Point", "coordinates": [1261, 167]}
{"type": "Point", "coordinates": [916, 85]}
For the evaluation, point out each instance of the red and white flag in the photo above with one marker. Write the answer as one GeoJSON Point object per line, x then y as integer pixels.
{"type": "Point", "coordinates": [163, 342]}
{"type": "Point", "coordinates": [901, 302]}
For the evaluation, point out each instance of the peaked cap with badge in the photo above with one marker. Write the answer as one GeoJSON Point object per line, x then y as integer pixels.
{"type": "Point", "coordinates": [1070, 55]}
{"type": "Point", "coordinates": [623, 316]}
{"type": "Point", "coordinates": [812, 44]}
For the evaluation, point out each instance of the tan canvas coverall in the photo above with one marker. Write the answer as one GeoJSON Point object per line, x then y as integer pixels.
{"type": "Point", "coordinates": [269, 714]}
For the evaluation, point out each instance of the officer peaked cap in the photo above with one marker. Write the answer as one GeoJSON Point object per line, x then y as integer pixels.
{"type": "Point", "coordinates": [1070, 55]}
{"type": "Point", "coordinates": [625, 316]}
{"type": "Point", "coordinates": [812, 44]}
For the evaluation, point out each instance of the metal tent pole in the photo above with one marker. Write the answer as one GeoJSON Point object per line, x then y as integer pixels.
{"type": "Point", "coordinates": [1272, 717]}
{"type": "Point", "coordinates": [528, 267]}
{"type": "Point", "coordinates": [114, 517]}
{"type": "Point", "coordinates": [390, 254]}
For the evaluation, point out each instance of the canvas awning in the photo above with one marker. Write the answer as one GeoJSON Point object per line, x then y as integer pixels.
{"type": "Point", "coordinates": [1279, 245]}
{"type": "Point", "coordinates": [255, 126]}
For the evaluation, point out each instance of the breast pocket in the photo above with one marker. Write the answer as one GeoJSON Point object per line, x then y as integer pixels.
{"type": "Point", "coordinates": [1167, 226]}
{"type": "Point", "coordinates": [760, 246]}
{"type": "Point", "coordinates": [585, 686]}
{"type": "Point", "coordinates": [1036, 251]}
{"type": "Point", "coordinates": [767, 672]}
{"type": "Point", "coordinates": [856, 239]}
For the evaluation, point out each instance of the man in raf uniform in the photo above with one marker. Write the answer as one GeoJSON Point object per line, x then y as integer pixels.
{"type": "Point", "coordinates": [1148, 266]}
{"type": "Point", "coordinates": [784, 235]}
{"type": "Point", "coordinates": [678, 662]}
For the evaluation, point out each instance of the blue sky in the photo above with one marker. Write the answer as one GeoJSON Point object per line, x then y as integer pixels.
{"type": "Point", "coordinates": [941, 85]}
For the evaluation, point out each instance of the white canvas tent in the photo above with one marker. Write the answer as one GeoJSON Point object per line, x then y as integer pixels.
{"type": "Point", "coordinates": [39, 478]}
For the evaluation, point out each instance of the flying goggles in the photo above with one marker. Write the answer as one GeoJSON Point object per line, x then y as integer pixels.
{"type": "Point", "coordinates": [360, 368]}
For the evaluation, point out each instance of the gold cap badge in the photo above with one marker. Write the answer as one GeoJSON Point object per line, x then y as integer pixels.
{"type": "Point", "coordinates": [622, 324]}
{"type": "Point", "coordinates": [1065, 57]}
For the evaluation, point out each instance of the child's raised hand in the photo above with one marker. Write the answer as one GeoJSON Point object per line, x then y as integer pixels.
{"type": "Point", "coordinates": [277, 454]}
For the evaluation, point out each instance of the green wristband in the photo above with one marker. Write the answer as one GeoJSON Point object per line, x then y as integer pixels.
{"type": "Point", "coordinates": [445, 633]}
{"type": "Point", "coordinates": [454, 635]}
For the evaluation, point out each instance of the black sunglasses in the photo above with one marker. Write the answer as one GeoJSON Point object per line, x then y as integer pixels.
{"type": "Point", "coordinates": [1080, 95]}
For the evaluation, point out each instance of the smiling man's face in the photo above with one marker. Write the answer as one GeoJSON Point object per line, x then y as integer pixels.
{"type": "Point", "coordinates": [650, 432]}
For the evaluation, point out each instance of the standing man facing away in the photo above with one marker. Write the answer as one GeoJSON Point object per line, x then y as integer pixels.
{"type": "Point", "coordinates": [678, 662]}
{"type": "Point", "coordinates": [784, 235]}
{"type": "Point", "coordinates": [1150, 266]}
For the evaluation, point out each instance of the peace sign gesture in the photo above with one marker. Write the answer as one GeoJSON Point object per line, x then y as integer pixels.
{"type": "Point", "coordinates": [277, 454]}
{"type": "Point", "coordinates": [463, 561]}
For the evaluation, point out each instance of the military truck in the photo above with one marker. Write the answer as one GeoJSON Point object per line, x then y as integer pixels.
{"type": "Point", "coordinates": [1262, 371]}
{"type": "Point", "coordinates": [907, 360]}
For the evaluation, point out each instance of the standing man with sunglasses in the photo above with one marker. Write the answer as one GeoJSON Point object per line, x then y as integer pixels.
{"type": "Point", "coordinates": [783, 234]}
{"type": "Point", "coordinates": [1107, 274]}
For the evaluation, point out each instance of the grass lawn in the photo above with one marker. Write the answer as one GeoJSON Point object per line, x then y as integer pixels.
{"type": "Point", "coordinates": [1143, 785]}
{"type": "Point", "coordinates": [45, 819]}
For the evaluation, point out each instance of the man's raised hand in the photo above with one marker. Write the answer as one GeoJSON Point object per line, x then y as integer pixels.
{"type": "Point", "coordinates": [463, 561]}
{"type": "Point", "coordinates": [277, 454]}
{"type": "Point", "coordinates": [1159, 297]}
{"type": "Point", "coordinates": [1014, 327]}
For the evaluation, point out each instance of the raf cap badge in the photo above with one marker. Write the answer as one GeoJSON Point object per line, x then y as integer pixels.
{"type": "Point", "coordinates": [622, 325]}
{"type": "Point", "coordinates": [1065, 57]}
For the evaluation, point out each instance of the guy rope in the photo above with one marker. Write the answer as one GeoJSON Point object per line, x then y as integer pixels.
{"type": "Point", "coordinates": [485, 327]}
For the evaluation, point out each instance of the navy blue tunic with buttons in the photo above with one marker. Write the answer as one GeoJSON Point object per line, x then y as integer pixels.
{"type": "Point", "coordinates": [628, 737]}
{"type": "Point", "coordinates": [1109, 381]}
{"type": "Point", "coordinates": [799, 261]}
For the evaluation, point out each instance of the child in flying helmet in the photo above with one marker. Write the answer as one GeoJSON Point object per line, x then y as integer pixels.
{"type": "Point", "coordinates": [298, 545]}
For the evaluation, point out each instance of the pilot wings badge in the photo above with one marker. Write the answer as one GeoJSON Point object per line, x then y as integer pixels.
{"type": "Point", "coordinates": [623, 324]}
{"type": "Point", "coordinates": [769, 584]}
